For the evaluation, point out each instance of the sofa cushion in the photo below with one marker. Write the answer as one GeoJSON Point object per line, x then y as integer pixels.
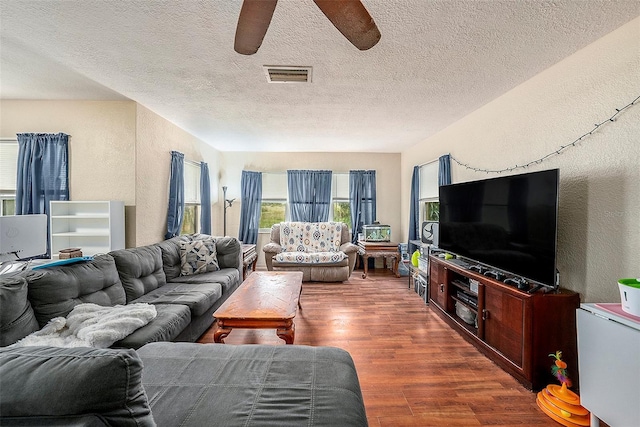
{"type": "Point", "coordinates": [229, 252]}
{"type": "Point", "coordinates": [54, 291]}
{"type": "Point", "coordinates": [171, 256]}
{"type": "Point", "coordinates": [198, 256]}
{"type": "Point", "coordinates": [198, 297]}
{"type": "Point", "coordinates": [170, 321]}
{"type": "Point", "coordinates": [45, 383]}
{"type": "Point", "coordinates": [140, 270]}
{"type": "Point", "coordinates": [310, 257]}
{"type": "Point", "coordinates": [227, 277]}
{"type": "Point", "coordinates": [251, 385]}
{"type": "Point", "coordinates": [310, 236]}
{"type": "Point", "coordinates": [17, 319]}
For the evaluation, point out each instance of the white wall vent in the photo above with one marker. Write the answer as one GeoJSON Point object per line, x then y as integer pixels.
{"type": "Point", "coordinates": [281, 74]}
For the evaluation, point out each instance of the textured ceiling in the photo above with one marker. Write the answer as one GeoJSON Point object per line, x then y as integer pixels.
{"type": "Point", "coordinates": [436, 62]}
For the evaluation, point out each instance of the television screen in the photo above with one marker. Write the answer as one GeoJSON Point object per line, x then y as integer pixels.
{"type": "Point", "coordinates": [508, 223]}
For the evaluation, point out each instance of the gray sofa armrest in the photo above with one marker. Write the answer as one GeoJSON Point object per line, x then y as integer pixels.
{"type": "Point", "coordinates": [45, 383]}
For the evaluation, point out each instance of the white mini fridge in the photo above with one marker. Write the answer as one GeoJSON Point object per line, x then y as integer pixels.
{"type": "Point", "coordinates": [609, 364]}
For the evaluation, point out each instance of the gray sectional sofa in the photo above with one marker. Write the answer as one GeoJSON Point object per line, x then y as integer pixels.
{"type": "Point", "coordinates": [147, 274]}
{"type": "Point", "coordinates": [144, 380]}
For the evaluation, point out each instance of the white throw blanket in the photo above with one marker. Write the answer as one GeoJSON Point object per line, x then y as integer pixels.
{"type": "Point", "coordinates": [91, 325]}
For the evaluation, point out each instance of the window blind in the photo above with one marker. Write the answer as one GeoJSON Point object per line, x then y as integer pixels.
{"type": "Point", "coordinates": [8, 165]}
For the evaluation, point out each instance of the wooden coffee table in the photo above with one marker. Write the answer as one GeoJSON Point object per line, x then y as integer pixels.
{"type": "Point", "coordinates": [266, 300]}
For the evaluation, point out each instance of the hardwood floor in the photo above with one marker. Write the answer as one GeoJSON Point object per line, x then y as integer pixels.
{"type": "Point", "coordinates": [414, 370]}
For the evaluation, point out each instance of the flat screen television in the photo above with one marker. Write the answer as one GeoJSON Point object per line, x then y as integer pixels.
{"type": "Point", "coordinates": [508, 223]}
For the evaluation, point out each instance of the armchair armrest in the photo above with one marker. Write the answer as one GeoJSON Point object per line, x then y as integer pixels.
{"type": "Point", "coordinates": [270, 249]}
{"type": "Point", "coordinates": [352, 252]}
{"type": "Point", "coordinates": [348, 248]}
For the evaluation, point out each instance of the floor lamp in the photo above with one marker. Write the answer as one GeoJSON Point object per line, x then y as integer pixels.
{"type": "Point", "coordinates": [227, 204]}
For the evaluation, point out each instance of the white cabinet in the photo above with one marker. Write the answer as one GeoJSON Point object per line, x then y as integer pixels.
{"type": "Point", "coordinates": [93, 226]}
{"type": "Point", "coordinates": [609, 362]}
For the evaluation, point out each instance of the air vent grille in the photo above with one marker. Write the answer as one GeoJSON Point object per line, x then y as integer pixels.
{"type": "Point", "coordinates": [279, 74]}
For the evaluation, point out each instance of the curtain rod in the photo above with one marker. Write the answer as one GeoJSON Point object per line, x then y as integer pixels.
{"type": "Point", "coordinates": [431, 161]}
{"type": "Point", "coordinates": [192, 162]}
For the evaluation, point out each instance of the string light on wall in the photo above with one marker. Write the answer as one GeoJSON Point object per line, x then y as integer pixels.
{"type": "Point", "coordinates": [553, 153]}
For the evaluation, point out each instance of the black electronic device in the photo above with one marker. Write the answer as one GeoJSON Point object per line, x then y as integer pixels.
{"type": "Point", "coordinates": [498, 275]}
{"type": "Point", "coordinates": [508, 223]}
{"type": "Point", "coordinates": [429, 233]}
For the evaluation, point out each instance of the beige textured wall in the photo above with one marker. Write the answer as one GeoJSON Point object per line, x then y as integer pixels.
{"type": "Point", "coordinates": [101, 144]}
{"type": "Point", "coordinates": [387, 168]}
{"type": "Point", "coordinates": [155, 139]}
{"type": "Point", "coordinates": [118, 150]}
{"type": "Point", "coordinates": [599, 219]}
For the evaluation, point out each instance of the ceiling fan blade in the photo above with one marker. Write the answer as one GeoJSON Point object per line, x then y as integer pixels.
{"type": "Point", "coordinates": [352, 19]}
{"type": "Point", "coordinates": [253, 22]}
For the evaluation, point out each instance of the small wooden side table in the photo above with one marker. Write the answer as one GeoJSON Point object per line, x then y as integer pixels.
{"type": "Point", "coordinates": [249, 259]}
{"type": "Point", "coordinates": [377, 250]}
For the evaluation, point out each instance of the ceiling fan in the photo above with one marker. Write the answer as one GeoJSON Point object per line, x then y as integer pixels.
{"type": "Point", "coordinates": [349, 16]}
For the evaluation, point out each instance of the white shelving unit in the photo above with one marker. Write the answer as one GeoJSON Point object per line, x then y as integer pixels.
{"type": "Point", "coordinates": [93, 226]}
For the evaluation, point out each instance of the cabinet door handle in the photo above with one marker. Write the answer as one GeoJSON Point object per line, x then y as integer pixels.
{"type": "Point", "coordinates": [441, 287]}
{"type": "Point", "coordinates": [485, 314]}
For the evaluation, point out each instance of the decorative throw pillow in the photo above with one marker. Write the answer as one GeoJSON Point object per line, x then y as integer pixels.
{"type": "Point", "coordinates": [198, 256]}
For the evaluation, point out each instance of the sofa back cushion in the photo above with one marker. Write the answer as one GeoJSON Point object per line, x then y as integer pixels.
{"type": "Point", "coordinates": [140, 270]}
{"type": "Point", "coordinates": [311, 236]}
{"type": "Point", "coordinates": [229, 252]}
{"type": "Point", "coordinates": [170, 249]}
{"type": "Point", "coordinates": [17, 319]}
{"type": "Point", "coordinates": [54, 291]}
{"type": "Point", "coordinates": [41, 384]}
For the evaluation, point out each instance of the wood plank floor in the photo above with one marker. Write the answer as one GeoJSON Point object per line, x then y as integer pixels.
{"type": "Point", "coordinates": [414, 370]}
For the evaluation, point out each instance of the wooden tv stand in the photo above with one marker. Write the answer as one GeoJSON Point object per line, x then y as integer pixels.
{"type": "Point", "coordinates": [515, 329]}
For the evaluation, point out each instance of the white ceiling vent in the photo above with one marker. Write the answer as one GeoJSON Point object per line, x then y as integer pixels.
{"type": "Point", "coordinates": [279, 74]}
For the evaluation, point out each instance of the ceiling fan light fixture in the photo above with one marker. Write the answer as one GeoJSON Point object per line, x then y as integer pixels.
{"type": "Point", "coordinates": [287, 74]}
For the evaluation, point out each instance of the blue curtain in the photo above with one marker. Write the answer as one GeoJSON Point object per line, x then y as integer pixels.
{"type": "Point", "coordinates": [414, 211]}
{"type": "Point", "coordinates": [309, 195]}
{"type": "Point", "coordinates": [175, 213]}
{"type": "Point", "coordinates": [205, 199]}
{"type": "Point", "coordinates": [251, 199]}
{"type": "Point", "coordinates": [43, 171]}
{"type": "Point", "coordinates": [444, 170]}
{"type": "Point", "coordinates": [362, 200]}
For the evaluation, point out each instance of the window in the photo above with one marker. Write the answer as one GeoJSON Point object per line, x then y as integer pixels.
{"type": "Point", "coordinates": [430, 211]}
{"type": "Point", "coordinates": [340, 205]}
{"type": "Point", "coordinates": [274, 200]}
{"type": "Point", "coordinates": [429, 192]}
{"type": "Point", "coordinates": [191, 219]}
{"type": "Point", "coordinates": [8, 176]}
